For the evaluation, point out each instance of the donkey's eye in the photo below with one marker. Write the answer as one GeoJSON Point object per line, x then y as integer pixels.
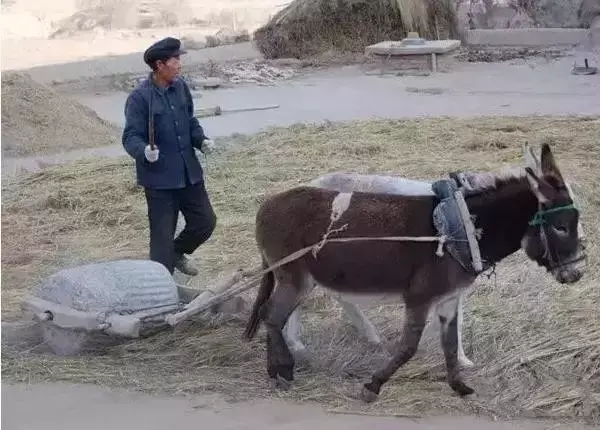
{"type": "Point", "coordinates": [561, 229]}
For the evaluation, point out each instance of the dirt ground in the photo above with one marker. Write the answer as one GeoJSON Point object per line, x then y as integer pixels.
{"type": "Point", "coordinates": [73, 407]}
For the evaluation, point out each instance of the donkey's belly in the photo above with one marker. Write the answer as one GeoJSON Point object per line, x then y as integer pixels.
{"type": "Point", "coordinates": [366, 268]}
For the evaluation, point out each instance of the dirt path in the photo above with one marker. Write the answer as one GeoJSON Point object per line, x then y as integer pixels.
{"type": "Point", "coordinates": [340, 94]}
{"type": "Point", "coordinates": [74, 407]}
{"type": "Point", "coordinates": [535, 87]}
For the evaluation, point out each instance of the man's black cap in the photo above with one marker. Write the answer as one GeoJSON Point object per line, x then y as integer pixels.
{"type": "Point", "coordinates": [163, 50]}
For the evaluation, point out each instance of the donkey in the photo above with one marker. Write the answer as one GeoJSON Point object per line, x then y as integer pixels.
{"type": "Point", "coordinates": [529, 210]}
{"type": "Point", "coordinates": [349, 182]}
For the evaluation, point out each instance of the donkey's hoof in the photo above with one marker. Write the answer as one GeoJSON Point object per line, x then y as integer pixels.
{"type": "Point", "coordinates": [367, 395]}
{"type": "Point", "coordinates": [461, 388]}
{"type": "Point", "coordinates": [280, 383]}
{"type": "Point", "coordinates": [283, 384]}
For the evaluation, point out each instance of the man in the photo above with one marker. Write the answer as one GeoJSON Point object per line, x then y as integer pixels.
{"type": "Point", "coordinates": [166, 163]}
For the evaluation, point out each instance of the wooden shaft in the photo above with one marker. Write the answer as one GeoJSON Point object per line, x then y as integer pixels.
{"type": "Point", "coordinates": [215, 294]}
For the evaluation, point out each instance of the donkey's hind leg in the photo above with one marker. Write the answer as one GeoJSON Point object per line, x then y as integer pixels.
{"type": "Point", "coordinates": [292, 288]}
{"type": "Point", "coordinates": [359, 320]}
{"type": "Point", "coordinates": [292, 333]}
{"type": "Point", "coordinates": [414, 323]}
{"type": "Point", "coordinates": [448, 310]}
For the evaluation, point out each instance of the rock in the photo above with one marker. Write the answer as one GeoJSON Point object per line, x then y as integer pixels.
{"type": "Point", "coordinates": [209, 83]}
{"type": "Point", "coordinates": [191, 44]}
{"type": "Point", "coordinates": [226, 36]}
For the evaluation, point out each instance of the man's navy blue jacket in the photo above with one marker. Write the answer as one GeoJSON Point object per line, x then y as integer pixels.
{"type": "Point", "coordinates": [177, 132]}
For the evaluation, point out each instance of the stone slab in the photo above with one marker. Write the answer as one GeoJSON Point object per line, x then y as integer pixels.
{"type": "Point", "coordinates": [390, 47]}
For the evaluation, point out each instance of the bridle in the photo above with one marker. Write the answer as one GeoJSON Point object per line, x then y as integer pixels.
{"type": "Point", "coordinates": [540, 220]}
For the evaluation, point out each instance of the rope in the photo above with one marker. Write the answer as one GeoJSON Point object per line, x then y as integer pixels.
{"type": "Point", "coordinates": [316, 247]}
{"type": "Point", "coordinates": [255, 274]}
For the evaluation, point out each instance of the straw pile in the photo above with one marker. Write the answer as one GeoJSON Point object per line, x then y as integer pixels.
{"type": "Point", "coordinates": [310, 27]}
{"type": "Point", "coordinates": [36, 119]}
{"type": "Point", "coordinates": [588, 11]}
{"type": "Point", "coordinates": [536, 344]}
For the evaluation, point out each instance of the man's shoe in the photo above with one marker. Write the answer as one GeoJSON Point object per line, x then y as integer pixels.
{"type": "Point", "coordinates": [184, 266]}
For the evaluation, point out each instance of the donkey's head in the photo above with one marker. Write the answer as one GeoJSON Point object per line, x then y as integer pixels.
{"type": "Point", "coordinates": [554, 236]}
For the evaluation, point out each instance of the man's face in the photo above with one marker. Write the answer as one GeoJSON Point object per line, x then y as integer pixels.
{"type": "Point", "coordinates": [169, 69]}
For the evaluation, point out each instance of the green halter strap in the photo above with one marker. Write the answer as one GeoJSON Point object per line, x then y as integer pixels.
{"type": "Point", "coordinates": [540, 216]}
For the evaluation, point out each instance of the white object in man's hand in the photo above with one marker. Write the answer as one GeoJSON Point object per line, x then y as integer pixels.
{"type": "Point", "coordinates": [151, 155]}
{"type": "Point", "coordinates": [208, 146]}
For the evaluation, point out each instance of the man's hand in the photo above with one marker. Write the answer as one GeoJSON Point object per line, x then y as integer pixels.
{"type": "Point", "coordinates": [151, 155]}
{"type": "Point", "coordinates": [208, 146]}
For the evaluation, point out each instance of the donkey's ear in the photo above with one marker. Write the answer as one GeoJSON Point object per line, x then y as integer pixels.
{"type": "Point", "coordinates": [542, 190]}
{"type": "Point", "coordinates": [548, 164]}
{"type": "Point", "coordinates": [531, 160]}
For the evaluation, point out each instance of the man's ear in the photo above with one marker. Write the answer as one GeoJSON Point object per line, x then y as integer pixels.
{"type": "Point", "coordinates": [542, 189]}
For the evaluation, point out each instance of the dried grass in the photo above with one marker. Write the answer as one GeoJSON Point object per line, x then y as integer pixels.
{"type": "Point", "coordinates": [536, 344]}
{"type": "Point", "coordinates": [307, 28]}
{"type": "Point", "coordinates": [588, 10]}
{"type": "Point", "coordinates": [37, 120]}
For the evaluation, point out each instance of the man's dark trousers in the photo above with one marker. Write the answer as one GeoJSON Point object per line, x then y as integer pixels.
{"type": "Point", "coordinates": [163, 211]}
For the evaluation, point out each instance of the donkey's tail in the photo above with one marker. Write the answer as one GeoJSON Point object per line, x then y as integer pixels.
{"type": "Point", "coordinates": [264, 292]}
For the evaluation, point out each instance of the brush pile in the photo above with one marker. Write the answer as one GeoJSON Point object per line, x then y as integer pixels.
{"type": "Point", "coordinates": [258, 72]}
{"type": "Point", "coordinates": [589, 12]}
{"type": "Point", "coordinates": [311, 27]}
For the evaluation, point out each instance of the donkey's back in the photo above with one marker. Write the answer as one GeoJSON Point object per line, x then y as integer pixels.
{"type": "Point", "coordinates": [349, 182]}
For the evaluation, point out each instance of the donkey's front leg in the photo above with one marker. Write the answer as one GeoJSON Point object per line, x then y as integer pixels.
{"type": "Point", "coordinates": [463, 360]}
{"type": "Point", "coordinates": [448, 311]}
{"type": "Point", "coordinates": [462, 357]}
{"type": "Point", "coordinates": [414, 323]}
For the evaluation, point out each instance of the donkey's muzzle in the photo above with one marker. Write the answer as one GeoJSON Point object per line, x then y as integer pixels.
{"type": "Point", "coordinates": [569, 276]}
{"type": "Point", "coordinates": [572, 271]}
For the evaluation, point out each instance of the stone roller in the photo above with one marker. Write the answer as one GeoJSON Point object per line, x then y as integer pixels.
{"type": "Point", "coordinates": [102, 303]}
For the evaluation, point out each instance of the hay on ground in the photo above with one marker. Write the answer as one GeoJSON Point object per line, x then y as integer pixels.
{"type": "Point", "coordinates": [37, 120]}
{"type": "Point", "coordinates": [310, 27]}
{"type": "Point", "coordinates": [536, 344]}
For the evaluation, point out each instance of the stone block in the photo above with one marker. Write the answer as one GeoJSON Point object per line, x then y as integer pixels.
{"type": "Point", "coordinates": [397, 48]}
